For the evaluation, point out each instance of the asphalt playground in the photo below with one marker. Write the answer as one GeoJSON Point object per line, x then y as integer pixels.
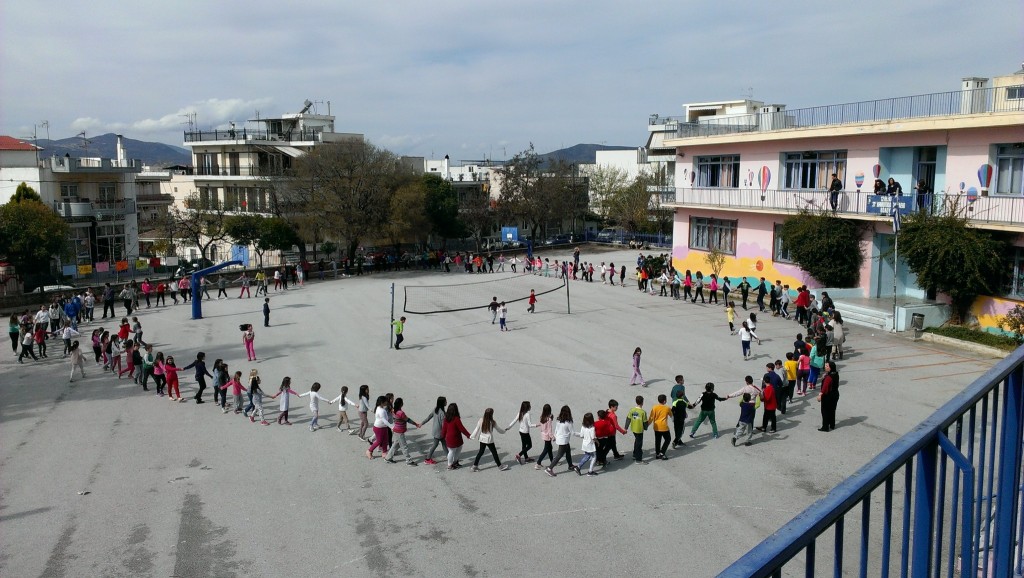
{"type": "Point", "coordinates": [98, 478]}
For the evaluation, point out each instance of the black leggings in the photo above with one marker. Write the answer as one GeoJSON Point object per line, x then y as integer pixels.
{"type": "Point", "coordinates": [480, 453]}
{"type": "Point", "coordinates": [526, 442]}
{"type": "Point", "coordinates": [698, 293]}
{"type": "Point", "coordinates": [547, 452]}
{"type": "Point", "coordinates": [563, 450]}
{"type": "Point", "coordinates": [14, 341]}
{"type": "Point", "coordinates": [160, 381]}
{"type": "Point", "coordinates": [768, 417]}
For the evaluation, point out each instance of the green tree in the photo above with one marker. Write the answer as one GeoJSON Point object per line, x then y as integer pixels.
{"type": "Point", "coordinates": [950, 256]}
{"type": "Point", "coordinates": [31, 234]}
{"type": "Point", "coordinates": [328, 248]}
{"type": "Point", "coordinates": [25, 193]}
{"type": "Point", "coordinates": [200, 223]}
{"type": "Point", "coordinates": [408, 217]}
{"type": "Point", "coordinates": [826, 246]}
{"type": "Point", "coordinates": [631, 207]}
{"type": "Point", "coordinates": [442, 208]}
{"type": "Point", "coordinates": [521, 195]}
{"type": "Point", "coordinates": [606, 183]}
{"type": "Point", "coordinates": [262, 233]}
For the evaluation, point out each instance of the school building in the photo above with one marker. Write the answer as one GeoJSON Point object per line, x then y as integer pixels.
{"type": "Point", "coordinates": [743, 167]}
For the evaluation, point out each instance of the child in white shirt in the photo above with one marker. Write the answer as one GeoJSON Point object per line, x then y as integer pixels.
{"type": "Point", "coordinates": [589, 447]}
{"type": "Point", "coordinates": [314, 404]}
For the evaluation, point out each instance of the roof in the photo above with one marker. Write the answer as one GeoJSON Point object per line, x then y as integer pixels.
{"type": "Point", "coordinates": [9, 143]}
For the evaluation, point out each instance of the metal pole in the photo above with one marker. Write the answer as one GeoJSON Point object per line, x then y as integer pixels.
{"type": "Point", "coordinates": [391, 333]}
{"type": "Point", "coordinates": [895, 265]}
{"type": "Point", "coordinates": [568, 307]}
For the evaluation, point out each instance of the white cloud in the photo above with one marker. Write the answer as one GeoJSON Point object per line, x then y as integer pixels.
{"type": "Point", "coordinates": [86, 123]}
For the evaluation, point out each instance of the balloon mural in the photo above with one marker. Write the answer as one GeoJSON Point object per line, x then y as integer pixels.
{"type": "Point", "coordinates": [876, 170]}
{"type": "Point", "coordinates": [985, 176]}
{"type": "Point", "coordinates": [859, 179]}
{"type": "Point", "coordinates": [972, 195]}
{"type": "Point", "coordinates": [763, 178]}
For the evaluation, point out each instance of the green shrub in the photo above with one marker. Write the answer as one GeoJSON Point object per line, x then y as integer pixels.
{"type": "Point", "coordinates": [1014, 321]}
{"type": "Point", "coordinates": [826, 246]}
{"type": "Point", "coordinates": [1004, 342]}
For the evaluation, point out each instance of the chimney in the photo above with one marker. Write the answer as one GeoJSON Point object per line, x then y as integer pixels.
{"type": "Point", "coordinates": [120, 150]}
{"type": "Point", "coordinates": [444, 169]}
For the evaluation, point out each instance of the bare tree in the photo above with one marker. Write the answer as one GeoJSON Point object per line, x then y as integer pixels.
{"type": "Point", "coordinates": [201, 222]}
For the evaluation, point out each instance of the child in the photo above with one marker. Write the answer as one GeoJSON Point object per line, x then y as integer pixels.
{"type": "Point", "coordinates": [129, 354]}
{"type": "Point", "coordinates": [67, 333]}
{"type": "Point", "coordinates": [502, 316]}
{"type": "Point", "coordinates": [613, 406]}
{"type": "Point", "coordinates": [589, 448]}
{"type": "Point", "coordinates": [364, 408]}
{"type": "Point", "coordinates": [314, 403]}
{"type": "Point", "coordinates": [137, 329]}
{"type": "Point", "coordinates": [115, 355]}
{"type": "Point", "coordinates": [76, 361]}
{"type": "Point", "coordinates": [679, 404]}
{"type": "Point", "coordinates": [659, 419]}
{"type": "Point", "coordinates": [637, 420]}
{"type": "Point", "coordinates": [604, 430]}
{"type": "Point", "coordinates": [201, 374]}
{"type": "Point", "coordinates": [285, 390]}
{"type": "Point", "coordinates": [438, 416]}
{"type": "Point", "coordinates": [343, 403]}
{"type": "Point", "coordinates": [636, 370]}
{"type": "Point", "coordinates": [220, 377]}
{"type": "Point", "coordinates": [266, 308]}
{"type": "Point", "coordinates": [171, 373]}
{"type": "Point", "coordinates": [546, 434]}
{"type": "Point", "coordinates": [236, 387]}
{"type": "Point", "coordinates": [563, 431]}
{"type": "Point", "coordinates": [159, 375]}
{"type": "Point", "coordinates": [802, 372]}
{"type": "Point", "coordinates": [257, 398]}
{"type": "Point", "coordinates": [730, 316]}
{"type": "Point", "coordinates": [139, 363]}
{"type": "Point", "coordinates": [533, 300]}
{"type": "Point", "coordinates": [484, 432]}
{"type": "Point", "coordinates": [707, 410]}
{"type": "Point", "coordinates": [523, 419]}
{"type": "Point", "coordinates": [790, 366]}
{"type": "Point", "coordinates": [247, 339]}
{"type": "Point", "coordinates": [402, 422]}
{"type": "Point", "coordinates": [746, 425]}
{"type": "Point", "coordinates": [97, 346]}
{"type": "Point", "coordinates": [746, 334]}
{"type": "Point", "coordinates": [381, 424]}
{"type": "Point", "coordinates": [453, 431]}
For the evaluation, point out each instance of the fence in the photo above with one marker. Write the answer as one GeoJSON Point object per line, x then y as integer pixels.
{"type": "Point", "coordinates": [960, 512]}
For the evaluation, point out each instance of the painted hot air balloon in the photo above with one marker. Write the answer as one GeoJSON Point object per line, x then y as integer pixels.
{"type": "Point", "coordinates": [877, 170]}
{"type": "Point", "coordinates": [972, 195]}
{"type": "Point", "coordinates": [985, 176]}
{"type": "Point", "coordinates": [693, 177]}
{"type": "Point", "coordinates": [764, 176]}
{"type": "Point", "coordinates": [859, 179]}
{"type": "Point", "coordinates": [750, 177]}
{"type": "Point", "coordinates": [962, 185]}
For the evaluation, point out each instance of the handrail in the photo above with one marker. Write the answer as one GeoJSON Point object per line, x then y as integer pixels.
{"type": "Point", "coordinates": [768, 557]}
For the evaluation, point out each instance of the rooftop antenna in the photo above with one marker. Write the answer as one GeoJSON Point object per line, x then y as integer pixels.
{"type": "Point", "coordinates": [749, 94]}
{"type": "Point", "coordinates": [190, 120]}
{"type": "Point", "coordinates": [85, 142]}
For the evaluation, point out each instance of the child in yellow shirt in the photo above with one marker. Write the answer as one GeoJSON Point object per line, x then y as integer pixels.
{"type": "Point", "coordinates": [659, 421]}
{"type": "Point", "coordinates": [730, 315]}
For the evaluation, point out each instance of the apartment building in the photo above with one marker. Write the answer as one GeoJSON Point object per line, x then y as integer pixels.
{"type": "Point", "coordinates": [96, 196]}
{"type": "Point", "coordinates": [743, 167]}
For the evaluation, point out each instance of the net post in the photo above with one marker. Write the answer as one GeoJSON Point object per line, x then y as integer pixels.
{"type": "Point", "coordinates": [568, 307]}
{"type": "Point", "coordinates": [391, 333]}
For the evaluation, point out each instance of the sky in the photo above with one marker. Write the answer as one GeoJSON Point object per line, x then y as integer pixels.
{"type": "Point", "coordinates": [473, 79]}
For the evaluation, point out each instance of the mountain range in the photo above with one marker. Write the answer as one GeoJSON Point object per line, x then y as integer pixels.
{"type": "Point", "coordinates": [153, 154]}
{"type": "Point", "coordinates": [159, 155]}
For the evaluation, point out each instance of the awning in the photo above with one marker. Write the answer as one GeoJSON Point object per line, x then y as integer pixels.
{"type": "Point", "coordinates": [656, 140]}
{"type": "Point", "coordinates": [708, 107]}
{"type": "Point", "coordinates": [290, 151]}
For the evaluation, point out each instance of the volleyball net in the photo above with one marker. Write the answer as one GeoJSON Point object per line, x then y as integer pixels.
{"type": "Point", "coordinates": [428, 299]}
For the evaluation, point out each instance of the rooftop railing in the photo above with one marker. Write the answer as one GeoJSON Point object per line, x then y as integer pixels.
{"type": "Point", "coordinates": [954, 103]}
{"type": "Point", "coordinates": [943, 500]}
{"type": "Point", "coordinates": [243, 134]}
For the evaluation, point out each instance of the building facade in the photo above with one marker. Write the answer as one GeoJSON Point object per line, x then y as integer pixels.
{"type": "Point", "coordinates": [743, 167]}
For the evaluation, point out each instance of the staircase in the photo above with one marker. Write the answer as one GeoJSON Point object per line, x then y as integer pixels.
{"type": "Point", "coordinates": [865, 315]}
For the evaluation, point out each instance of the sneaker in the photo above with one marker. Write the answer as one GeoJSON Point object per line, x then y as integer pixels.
{"type": "Point", "coordinates": [577, 470]}
{"type": "Point", "coordinates": [519, 459]}
{"type": "Point", "coordinates": [252, 418]}
{"type": "Point", "coordinates": [410, 463]}
{"type": "Point", "coordinates": [591, 473]}
{"type": "Point", "coordinates": [692, 437]}
{"type": "Point", "coordinates": [714, 436]}
{"type": "Point", "coordinates": [528, 460]}
{"type": "Point", "coordinates": [550, 472]}
{"type": "Point", "coordinates": [476, 469]}
{"type": "Point", "coordinates": [537, 466]}
{"type": "Point", "coordinates": [748, 444]}
{"type": "Point", "coordinates": [733, 442]}
{"type": "Point", "coordinates": [504, 468]}
{"type": "Point", "coordinates": [311, 428]}
{"type": "Point", "coordinates": [264, 422]}
{"type": "Point", "coordinates": [353, 432]}
{"type": "Point", "coordinates": [619, 457]}
{"type": "Point", "coordinates": [429, 461]}
{"type": "Point", "coordinates": [200, 401]}
{"type": "Point", "coordinates": [225, 410]}
{"type": "Point", "coordinates": [390, 461]}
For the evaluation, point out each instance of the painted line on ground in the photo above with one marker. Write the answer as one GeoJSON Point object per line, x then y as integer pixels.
{"type": "Point", "coordinates": [928, 365]}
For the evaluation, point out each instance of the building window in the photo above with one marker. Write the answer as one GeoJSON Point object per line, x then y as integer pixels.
{"type": "Point", "coordinates": [1010, 169]}
{"type": "Point", "coordinates": [707, 234]}
{"type": "Point", "coordinates": [780, 254]}
{"type": "Point", "coordinates": [813, 169]}
{"type": "Point", "coordinates": [108, 195]}
{"type": "Point", "coordinates": [1013, 281]}
{"type": "Point", "coordinates": [721, 171]}
{"type": "Point", "coordinates": [69, 192]}
{"type": "Point", "coordinates": [1015, 92]}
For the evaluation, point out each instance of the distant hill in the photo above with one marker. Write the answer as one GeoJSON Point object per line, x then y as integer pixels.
{"type": "Point", "coordinates": [582, 153]}
{"type": "Point", "coordinates": [154, 154]}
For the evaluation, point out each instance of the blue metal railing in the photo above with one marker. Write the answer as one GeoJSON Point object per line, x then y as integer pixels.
{"type": "Point", "coordinates": [961, 511]}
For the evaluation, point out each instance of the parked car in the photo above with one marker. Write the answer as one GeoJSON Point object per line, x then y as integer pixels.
{"type": "Point", "coordinates": [610, 235]}
{"type": "Point", "coordinates": [49, 288]}
{"type": "Point", "coordinates": [560, 239]}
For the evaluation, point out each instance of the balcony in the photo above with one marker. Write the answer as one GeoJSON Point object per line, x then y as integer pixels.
{"type": "Point", "coordinates": [241, 136]}
{"type": "Point", "coordinates": [1000, 212]}
{"type": "Point", "coordinates": [940, 104]}
{"type": "Point", "coordinates": [154, 199]}
{"type": "Point", "coordinates": [102, 210]}
{"type": "Point", "coordinates": [248, 171]}
{"type": "Point", "coordinates": [94, 165]}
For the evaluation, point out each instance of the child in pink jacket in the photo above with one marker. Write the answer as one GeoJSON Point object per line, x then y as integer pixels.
{"type": "Point", "coordinates": [236, 388]}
